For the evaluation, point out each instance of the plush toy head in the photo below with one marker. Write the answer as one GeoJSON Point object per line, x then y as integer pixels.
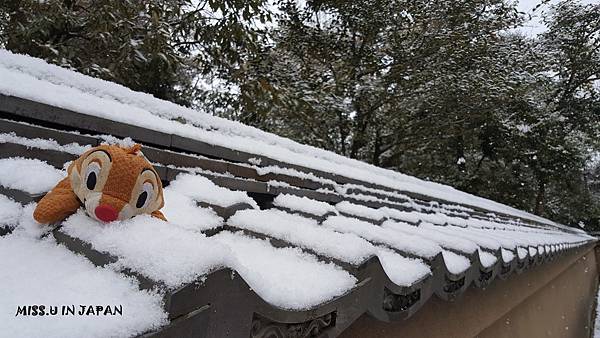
{"type": "Point", "coordinates": [111, 182]}
{"type": "Point", "coordinates": [116, 183]}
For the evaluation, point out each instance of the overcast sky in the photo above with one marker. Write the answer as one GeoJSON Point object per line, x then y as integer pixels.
{"type": "Point", "coordinates": [535, 26]}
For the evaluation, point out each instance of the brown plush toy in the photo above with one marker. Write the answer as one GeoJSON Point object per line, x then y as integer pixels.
{"type": "Point", "coordinates": [112, 183]}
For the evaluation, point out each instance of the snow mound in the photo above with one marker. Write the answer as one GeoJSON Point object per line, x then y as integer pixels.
{"type": "Point", "coordinates": [303, 204]}
{"type": "Point", "coordinates": [10, 211]}
{"type": "Point", "coordinates": [419, 246]}
{"type": "Point", "coordinates": [32, 176]}
{"type": "Point", "coordinates": [71, 148]}
{"type": "Point", "coordinates": [44, 273]}
{"type": "Point", "coordinates": [201, 189]}
{"type": "Point", "coordinates": [152, 247]}
{"type": "Point", "coordinates": [287, 277]}
{"type": "Point", "coordinates": [456, 264]}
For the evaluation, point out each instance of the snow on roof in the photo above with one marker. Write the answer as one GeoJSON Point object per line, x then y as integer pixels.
{"type": "Point", "coordinates": [42, 272]}
{"type": "Point", "coordinates": [36, 80]}
{"type": "Point", "coordinates": [303, 204]}
{"type": "Point", "coordinates": [415, 245]}
{"type": "Point", "coordinates": [507, 255]}
{"type": "Point", "coordinates": [182, 197]}
{"type": "Point", "coordinates": [487, 259]}
{"type": "Point", "coordinates": [532, 251]}
{"type": "Point", "coordinates": [359, 210]}
{"type": "Point", "coordinates": [10, 212]}
{"type": "Point", "coordinates": [285, 277]}
{"type": "Point", "coordinates": [411, 217]}
{"type": "Point", "coordinates": [181, 210]}
{"type": "Point", "coordinates": [346, 247]}
{"type": "Point", "coordinates": [32, 176]}
{"type": "Point", "coordinates": [455, 263]}
{"type": "Point", "coordinates": [487, 238]}
{"type": "Point", "coordinates": [441, 238]}
{"type": "Point", "coordinates": [292, 172]}
{"type": "Point", "coordinates": [483, 240]}
{"type": "Point", "coordinates": [152, 247]}
{"type": "Point", "coordinates": [305, 233]}
{"type": "Point", "coordinates": [401, 270]}
{"type": "Point", "coordinates": [200, 188]}
{"type": "Point", "coordinates": [72, 148]}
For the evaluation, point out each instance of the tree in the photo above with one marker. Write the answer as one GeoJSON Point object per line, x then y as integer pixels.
{"type": "Point", "coordinates": [159, 46]}
{"type": "Point", "coordinates": [571, 47]}
{"type": "Point", "coordinates": [444, 91]}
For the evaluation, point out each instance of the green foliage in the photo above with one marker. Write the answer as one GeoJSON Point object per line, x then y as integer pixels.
{"type": "Point", "coordinates": [444, 90]}
{"type": "Point", "coordinates": [155, 46]}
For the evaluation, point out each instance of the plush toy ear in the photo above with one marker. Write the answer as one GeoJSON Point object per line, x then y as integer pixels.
{"type": "Point", "coordinates": [136, 149]}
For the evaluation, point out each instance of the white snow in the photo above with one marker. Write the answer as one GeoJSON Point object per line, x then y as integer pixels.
{"type": "Point", "coordinates": [48, 144]}
{"type": "Point", "coordinates": [305, 233]}
{"type": "Point", "coordinates": [434, 218]}
{"type": "Point", "coordinates": [488, 238]}
{"type": "Point", "coordinates": [303, 204]}
{"type": "Point", "coordinates": [359, 210]}
{"type": "Point", "coordinates": [181, 210]}
{"type": "Point", "coordinates": [34, 79]}
{"type": "Point", "coordinates": [411, 217]}
{"type": "Point", "coordinates": [487, 259]}
{"type": "Point", "coordinates": [345, 247]}
{"type": "Point", "coordinates": [532, 251]}
{"type": "Point", "coordinates": [44, 273]}
{"type": "Point", "coordinates": [401, 270]}
{"type": "Point", "coordinates": [293, 172]}
{"type": "Point", "coordinates": [507, 255]}
{"type": "Point", "coordinates": [458, 221]}
{"type": "Point", "coordinates": [202, 189]}
{"type": "Point", "coordinates": [521, 252]}
{"type": "Point", "coordinates": [456, 264]}
{"type": "Point", "coordinates": [398, 196]}
{"type": "Point", "coordinates": [430, 232]}
{"type": "Point", "coordinates": [285, 277]}
{"type": "Point", "coordinates": [484, 240]}
{"type": "Point", "coordinates": [32, 176]}
{"type": "Point", "coordinates": [10, 212]}
{"type": "Point", "coordinates": [418, 246]}
{"type": "Point", "coordinates": [113, 140]}
{"type": "Point", "coordinates": [27, 226]}
{"type": "Point", "coordinates": [152, 247]}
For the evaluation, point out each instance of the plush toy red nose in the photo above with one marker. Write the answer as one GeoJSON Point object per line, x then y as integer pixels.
{"type": "Point", "coordinates": [106, 213]}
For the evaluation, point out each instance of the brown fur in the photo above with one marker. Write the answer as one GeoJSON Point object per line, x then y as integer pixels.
{"type": "Point", "coordinates": [121, 177]}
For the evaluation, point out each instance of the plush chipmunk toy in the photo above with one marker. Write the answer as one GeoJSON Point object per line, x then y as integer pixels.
{"type": "Point", "coordinates": [112, 183]}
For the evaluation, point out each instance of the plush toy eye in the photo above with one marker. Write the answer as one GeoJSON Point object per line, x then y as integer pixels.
{"type": "Point", "coordinates": [145, 195]}
{"type": "Point", "coordinates": [91, 178]}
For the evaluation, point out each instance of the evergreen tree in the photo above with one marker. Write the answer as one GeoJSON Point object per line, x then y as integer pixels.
{"type": "Point", "coordinates": [158, 46]}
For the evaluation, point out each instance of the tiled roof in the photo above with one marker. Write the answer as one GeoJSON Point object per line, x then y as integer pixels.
{"type": "Point", "coordinates": [254, 244]}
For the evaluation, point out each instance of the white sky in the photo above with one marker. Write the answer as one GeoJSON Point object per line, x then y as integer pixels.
{"type": "Point", "coordinates": [535, 26]}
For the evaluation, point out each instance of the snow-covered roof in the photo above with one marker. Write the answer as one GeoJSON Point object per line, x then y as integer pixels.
{"type": "Point", "coordinates": [33, 79]}
{"type": "Point", "coordinates": [260, 228]}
